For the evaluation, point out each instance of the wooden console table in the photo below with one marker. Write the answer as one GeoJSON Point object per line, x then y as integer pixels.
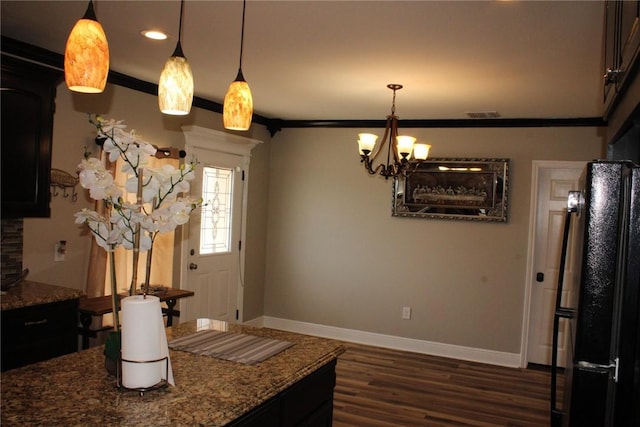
{"type": "Point", "coordinates": [90, 307]}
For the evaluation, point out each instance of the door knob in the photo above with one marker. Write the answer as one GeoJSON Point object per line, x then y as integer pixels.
{"type": "Point", "coordinates": [540, 277]}
{"type": "Point", "coordinates": [193, 266]}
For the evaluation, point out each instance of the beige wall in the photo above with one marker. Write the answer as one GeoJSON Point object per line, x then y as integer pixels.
{"type": "Point", "coordinates": [321, 245]}
{"type": "Point", "coordinates": [72, 132]}
{"type": "Point", "coordinates": [336, 256]}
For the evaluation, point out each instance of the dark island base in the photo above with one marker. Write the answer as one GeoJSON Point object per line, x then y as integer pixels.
{"type": "Point", "coordinates": [308, 402]}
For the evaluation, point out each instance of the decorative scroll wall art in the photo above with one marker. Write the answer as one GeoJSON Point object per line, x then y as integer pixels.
{"type": "Point", "coordinates": [454, 188]}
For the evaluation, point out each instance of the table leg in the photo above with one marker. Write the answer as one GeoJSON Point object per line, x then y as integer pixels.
{"type": "Point", "coordinates": [171, 303]}
{"type": "Point", "coordinates": [85, 321]}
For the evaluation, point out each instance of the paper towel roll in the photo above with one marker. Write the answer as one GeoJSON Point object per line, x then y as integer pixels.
{"type": "Point", "coordinates": [143, 340]}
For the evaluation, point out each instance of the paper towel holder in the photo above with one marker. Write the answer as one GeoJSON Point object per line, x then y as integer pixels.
{"type": "Point", "coordinates": [142, 390]}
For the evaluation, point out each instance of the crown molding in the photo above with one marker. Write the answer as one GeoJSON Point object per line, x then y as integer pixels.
{"type": "Point", "coordinates": [51, 59]}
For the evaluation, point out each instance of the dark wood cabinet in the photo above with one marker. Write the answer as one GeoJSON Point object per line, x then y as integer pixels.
{"type": "Point", "coordinates": [308, 403]}
{"type": "Point", "coordinates": [38, 332]}
{"type": "Point", "coordinates": [27, 99]}
{"type": "Point", "coordinates": [621, 49]}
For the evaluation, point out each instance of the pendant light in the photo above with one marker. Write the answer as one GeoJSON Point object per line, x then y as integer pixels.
{"type": "Point", "coordinates": [175, 88]}
{"type": "Point", "coordinates": [86, 55]}
{"type": "Point", "coordinates": [238, 103]}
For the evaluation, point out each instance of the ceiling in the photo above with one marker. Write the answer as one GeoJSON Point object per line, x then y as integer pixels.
{"type": "Point", "coordinates": [332, 60]}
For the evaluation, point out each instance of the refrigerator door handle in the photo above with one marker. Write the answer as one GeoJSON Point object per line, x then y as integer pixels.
{"type": "Point", "coordinates": [575, 202]}
{"type": "Point", "coordinates": [611, 368]}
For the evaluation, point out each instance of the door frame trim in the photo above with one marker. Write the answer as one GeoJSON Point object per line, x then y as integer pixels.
{"type": "Point", "coordinates": [222, 142]}
{"type": "Point", "coordinates": [536, 167]}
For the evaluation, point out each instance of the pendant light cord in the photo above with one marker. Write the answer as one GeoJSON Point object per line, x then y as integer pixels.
{"type": "Point", "coordinates": [180, 24]}
{"type": "Point", "coordinates": [244, 5]}
{"type": "Point", "coordinates": [178, 52]}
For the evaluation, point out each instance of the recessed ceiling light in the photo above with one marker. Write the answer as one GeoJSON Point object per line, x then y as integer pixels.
{"type": "Point", "coordinates": [154, 34]}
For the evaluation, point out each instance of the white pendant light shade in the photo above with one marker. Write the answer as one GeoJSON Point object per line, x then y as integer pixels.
{"type": "Point", "coordinates": [175, 88]}
{"type": "Point", "coordinates": [86, 55]}
{"type": "Point", "coordinates": [238, 106]}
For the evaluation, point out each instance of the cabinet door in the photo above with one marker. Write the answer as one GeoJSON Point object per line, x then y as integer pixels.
{"type": "Point", "coordinates": [629, 35]}
{"type": "Point", "coordinates": [621, 48]}
{"type": "Point", "coordinates": [39, 332]}
{"type": "Point", "coordinates": [611, 52]}
{"type": "Point", "coordinates": [27, 99]}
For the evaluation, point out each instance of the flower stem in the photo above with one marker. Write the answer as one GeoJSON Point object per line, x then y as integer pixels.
{"type": "Point", "coordinates": [114, 291]}
{"type": "Point", "coordinates": [136, 241]}
{"type": "Point", "coordinates": [148, 271]}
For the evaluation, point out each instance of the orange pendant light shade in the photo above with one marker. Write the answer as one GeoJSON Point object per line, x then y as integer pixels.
{"type": "Point", "coordinates": [238, 105]}
{"type": "Point", "coordinates": [86, 56]}
{"type": "Point", "coordinates": [237, 110]}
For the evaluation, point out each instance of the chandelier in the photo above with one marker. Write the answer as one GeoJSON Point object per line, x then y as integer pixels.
{"type": "Point", "coordinates": [399, 148]}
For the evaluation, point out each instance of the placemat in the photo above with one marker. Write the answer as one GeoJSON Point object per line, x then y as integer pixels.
{"type": "Point", "coordinates": [242, 348]}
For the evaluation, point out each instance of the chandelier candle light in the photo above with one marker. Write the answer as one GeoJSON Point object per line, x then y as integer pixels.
{"type": "Point", "coordinates": [400, 148]}
{"type": "Point", "coordinates": [86, 55]}
{"type": "Point", "coordinates": [175, 88]}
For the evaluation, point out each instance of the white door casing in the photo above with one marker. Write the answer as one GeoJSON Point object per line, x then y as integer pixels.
{"type": "Point", "coordinates": [551, 182]}
{"type": "Point", "coordinates": [215, 278]}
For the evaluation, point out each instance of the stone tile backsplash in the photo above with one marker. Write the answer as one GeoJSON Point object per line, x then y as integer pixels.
{"type": "Point", "coordinates": [11, 247]}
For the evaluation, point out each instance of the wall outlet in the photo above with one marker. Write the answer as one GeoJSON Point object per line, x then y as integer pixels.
{"type": "Point", "coordinates": [406, 313]}
{"type": "Point", "coordinates": [60, 250]}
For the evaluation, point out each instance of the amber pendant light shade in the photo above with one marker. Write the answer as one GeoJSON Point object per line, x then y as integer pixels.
{"type": "Point", "coordinates": [238, 105]}
{"type": "Point", "coordinates": [237, 110]}
{"type": "Point", "coordinates": [175, 88]}
{"type": "Point", "coordinates": [86, 55]}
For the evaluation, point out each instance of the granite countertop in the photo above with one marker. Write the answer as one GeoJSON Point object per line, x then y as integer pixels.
{"type": "Point", "coordinates": [33, 293]}
{"type": "Point", "coordinates": [75, 390]}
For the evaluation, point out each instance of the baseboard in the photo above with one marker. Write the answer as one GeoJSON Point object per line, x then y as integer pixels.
{"type": "Point", "coordinates": [491, 357]}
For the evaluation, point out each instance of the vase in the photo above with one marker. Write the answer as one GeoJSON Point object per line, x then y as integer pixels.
{"type": "Point", "coordinates": [112, 360]}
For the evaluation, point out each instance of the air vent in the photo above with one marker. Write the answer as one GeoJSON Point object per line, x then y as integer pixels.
{"type": "Point", "coordinates": [483, 115]}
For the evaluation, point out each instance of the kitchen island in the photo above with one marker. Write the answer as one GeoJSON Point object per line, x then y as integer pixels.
{"type": "Point", "coordinates": [291, 387]}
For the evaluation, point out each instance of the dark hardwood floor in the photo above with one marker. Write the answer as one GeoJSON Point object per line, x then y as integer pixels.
{"type": "Point", "coordinates": [383, 387]}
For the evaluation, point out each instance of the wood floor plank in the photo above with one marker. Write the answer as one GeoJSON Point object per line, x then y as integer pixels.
{"type": "Point", "coordinates": [383, 387]}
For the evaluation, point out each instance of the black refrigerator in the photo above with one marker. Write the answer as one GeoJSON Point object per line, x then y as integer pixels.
{"type": "Point", "coordinates": [602, 374]}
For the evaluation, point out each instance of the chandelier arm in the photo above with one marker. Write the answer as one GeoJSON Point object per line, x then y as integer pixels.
{"type": "Point", "coordinates": [383, 140]}
{"type": "Point", "coordinates": [395, 169]}
{"type": "Point", "coordinates": [368, 164]}
{"type": "Point", "coordinates": [392, 135]}
{"type": "Point", "coordinates": [393, 140]}
{"type": "Point", "coordinates": [379, 169]}
{"type": "Point", "coordinates": [409, 168]}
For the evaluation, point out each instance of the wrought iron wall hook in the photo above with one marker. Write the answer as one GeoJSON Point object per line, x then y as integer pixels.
{"type": "Point", "coordinates": [64, 180]}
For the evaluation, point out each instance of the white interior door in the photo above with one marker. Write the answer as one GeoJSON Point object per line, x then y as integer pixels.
{"type": "Point", "coordinates": [212, 258]}
{"type": "Point", "coordinates": [553, 186]}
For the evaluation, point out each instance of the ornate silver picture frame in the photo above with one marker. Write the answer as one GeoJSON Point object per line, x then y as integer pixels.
{"type": "Point", "coordinates": [454, 188]}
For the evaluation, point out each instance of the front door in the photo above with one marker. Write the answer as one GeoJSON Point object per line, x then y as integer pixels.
{"type": "Point", "coordinates": [212, 259]}
{"type": "Point", "coordinates": [553, 185]}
